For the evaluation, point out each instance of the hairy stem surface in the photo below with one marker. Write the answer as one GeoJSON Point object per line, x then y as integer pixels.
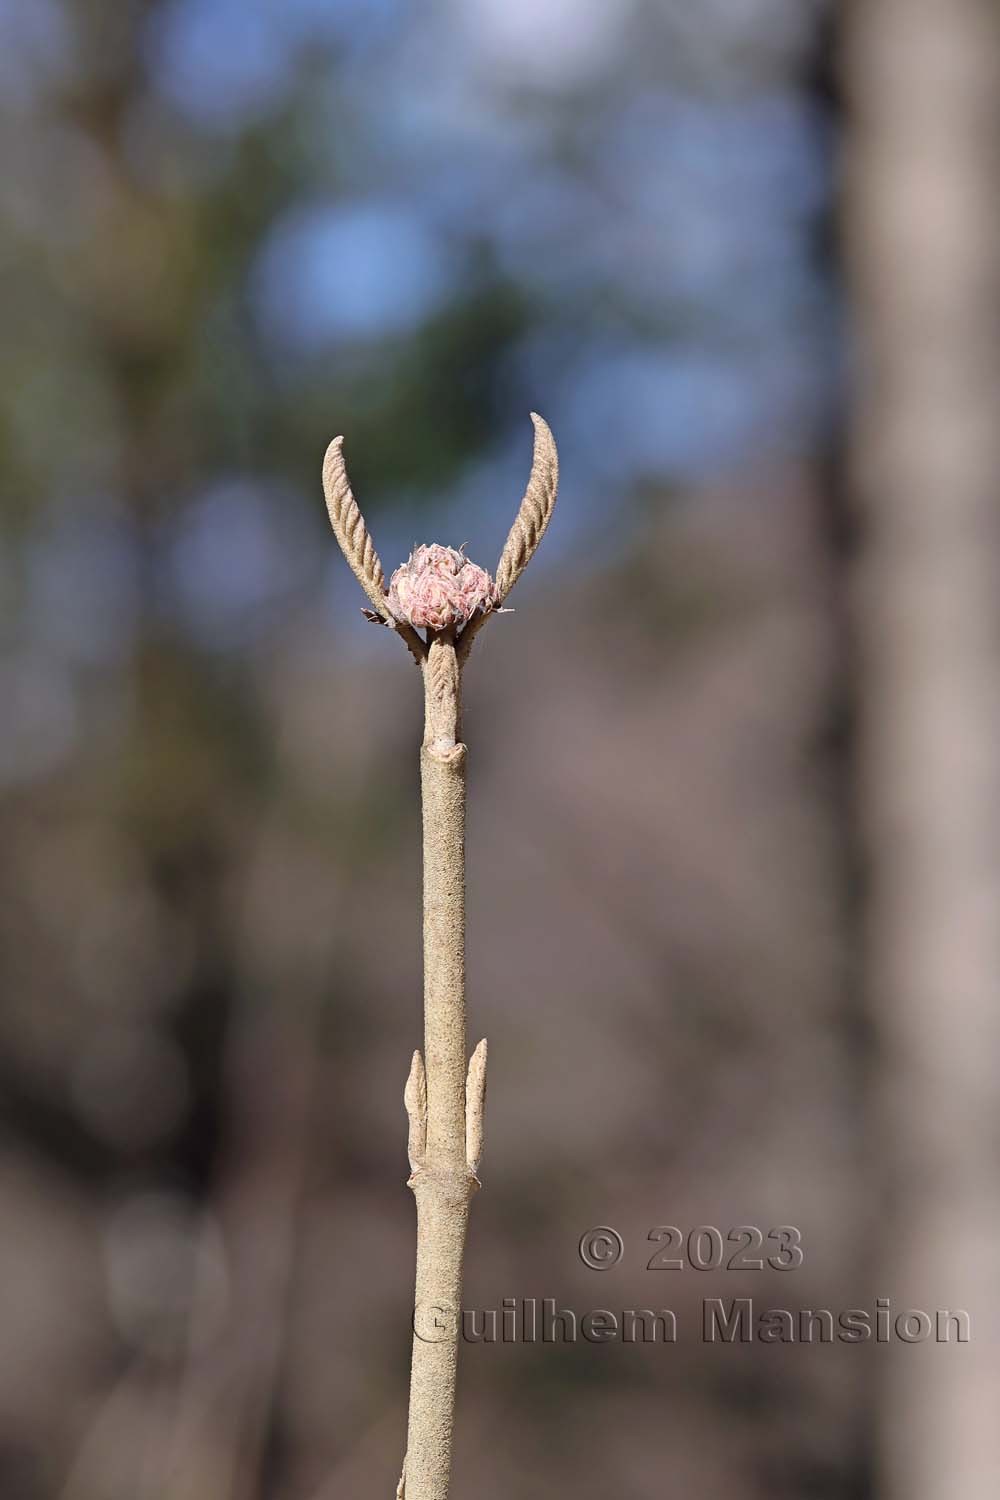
{"type": "Point", "coordinates": [444, 1177]}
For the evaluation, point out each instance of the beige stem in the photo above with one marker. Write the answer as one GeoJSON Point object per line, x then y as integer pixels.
{"type": "Point", "coordinates": [445, 1108]}
{"type": "Point", "coordinates": [444, 1178]}
{"type": "Point", "coordinates": [924, 235]}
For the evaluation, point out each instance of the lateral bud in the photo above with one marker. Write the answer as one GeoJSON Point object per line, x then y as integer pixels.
{"type": "Point", "coordinates": [415, 1099]}
{"type": "Point", "coordinates": [475, 1105]}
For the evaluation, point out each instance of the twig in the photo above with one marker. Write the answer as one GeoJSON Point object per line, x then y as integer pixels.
{"type": "Point", "coordinates": [440, 591]}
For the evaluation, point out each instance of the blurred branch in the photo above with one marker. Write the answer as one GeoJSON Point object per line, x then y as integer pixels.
{"type": "Point", "coordinates": [924, 81]}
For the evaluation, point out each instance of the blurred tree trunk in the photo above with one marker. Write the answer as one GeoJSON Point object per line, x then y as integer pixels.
{"type": "Point", "coordinates": [923, 85]}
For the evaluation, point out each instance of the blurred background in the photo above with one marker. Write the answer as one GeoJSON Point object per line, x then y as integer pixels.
{"type": "Point", "coordinates": [732, 838]}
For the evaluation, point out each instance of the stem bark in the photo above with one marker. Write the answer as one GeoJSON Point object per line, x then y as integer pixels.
{"type": "Point", "coordinates": [445, 1109]}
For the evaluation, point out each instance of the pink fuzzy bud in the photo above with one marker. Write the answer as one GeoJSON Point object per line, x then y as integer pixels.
{"type": "Point", "coordinates": [439, 588]}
